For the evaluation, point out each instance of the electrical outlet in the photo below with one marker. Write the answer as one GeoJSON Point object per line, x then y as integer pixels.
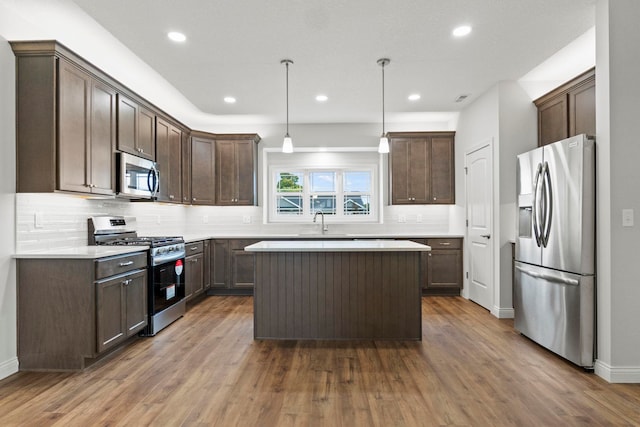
{"type": "Point", "coordinates": [205, 219]}
{"type": "Point", "coordinates": [246, 219]}
{"type": "Point", "coordinates": [627, 217]}
{"type": "Point", "coordinates": [402, 218]}
{"type": "Point", "coordinates": [38, 220]}
{"type": "Point", "coordinates": [157, 219]}
{"type": "Point", "coordinates": [419, 218]}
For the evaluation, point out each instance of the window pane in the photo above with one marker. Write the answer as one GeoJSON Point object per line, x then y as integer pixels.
{"type": "Point", "coordinates": [290, 181]}
{"type": "Point", "coordinates": [322, 181]}
{"type": "Point", "coordinates": [326, 204]}
{"type": "Point", "coordinates": [357, 182]}
{"type": "Point", "coordinates": [357, 204]}
{"type": "Point", "coordinates": [289, 205]}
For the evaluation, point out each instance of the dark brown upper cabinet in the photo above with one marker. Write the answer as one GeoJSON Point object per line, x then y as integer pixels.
{"type": "Point", "coordinates": [65, 124]}
{"type": "Point", "coordinates": [568, 110]}
{"type": "Point", "coordinates": [202, 169]}
{"type": "Point", "coordinates": [169, 159]}
{"type": "Point", "coordinates": [421, 168]}
{"type": "Point", "coordinates": [136, 128]}
{"type": "Point", "coordinates": [236, 159]}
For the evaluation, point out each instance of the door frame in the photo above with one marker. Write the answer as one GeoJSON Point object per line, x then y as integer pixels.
{"type": "Point", "coordinates": [467, 245]}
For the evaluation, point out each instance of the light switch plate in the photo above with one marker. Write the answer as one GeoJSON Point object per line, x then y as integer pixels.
{"type": "Point", "coordinates": [627, 217]}
{"type": "Point", "coordinates": [246, 219]}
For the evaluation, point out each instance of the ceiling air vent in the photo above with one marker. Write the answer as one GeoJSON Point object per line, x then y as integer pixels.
{"type": "Point", "coordinates": [461, 98]}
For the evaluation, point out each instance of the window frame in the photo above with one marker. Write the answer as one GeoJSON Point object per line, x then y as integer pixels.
{"type": "Point", "coordinates": [375, 204]}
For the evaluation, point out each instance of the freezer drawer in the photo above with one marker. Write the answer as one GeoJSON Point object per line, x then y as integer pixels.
{"type": "Point", "coordinates": [556, 310]}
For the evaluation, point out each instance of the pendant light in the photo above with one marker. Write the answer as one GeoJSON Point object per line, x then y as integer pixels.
{"type": "Point", "coordinates": [383, 146]}
{"type": "Point", "coordinates": [287, 144]}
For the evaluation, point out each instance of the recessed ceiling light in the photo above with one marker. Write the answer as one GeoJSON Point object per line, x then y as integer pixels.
{"type": "Point", "coordinates": [414, 97]}
{"type": "Point", "coordinates": [461, 31]}
{"type": "Point", "coordinates": [321, 98]}
{"type": "Point", "coordinates": [176, 36]}
{"type": "Point", "coordinates": [229, 99]}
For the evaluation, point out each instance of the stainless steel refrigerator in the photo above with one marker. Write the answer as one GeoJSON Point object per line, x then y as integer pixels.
{"type": "Point", "coordinates": [554, 275]}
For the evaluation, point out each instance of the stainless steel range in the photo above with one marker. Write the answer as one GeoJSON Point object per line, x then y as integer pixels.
{"type": "Point", "coordinates": [165, 302]}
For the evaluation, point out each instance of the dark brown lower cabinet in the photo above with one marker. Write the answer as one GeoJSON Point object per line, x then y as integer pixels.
{"type": "Point", "coordinates": [444, 267]}
{"type": "Point", "coordinates": [232, 269]}
{"type": "Point", "coordinates": [72, 311]}
{"type": "Point", "coordinates": [194, 270]}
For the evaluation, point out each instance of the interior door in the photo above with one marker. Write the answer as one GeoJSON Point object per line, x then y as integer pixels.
{"type": "Point", "coordinates": [480, 218]}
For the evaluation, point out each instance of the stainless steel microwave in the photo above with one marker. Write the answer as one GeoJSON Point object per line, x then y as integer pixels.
{"type": "Point", "coordinates": [138, 178]}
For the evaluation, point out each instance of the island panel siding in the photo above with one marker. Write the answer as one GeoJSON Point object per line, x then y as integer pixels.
{"type": "Point", "coordinates": [337, 295]}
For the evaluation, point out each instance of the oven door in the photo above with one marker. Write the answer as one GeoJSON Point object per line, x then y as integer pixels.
{"type": "Point", "coordinates": [167, 285]}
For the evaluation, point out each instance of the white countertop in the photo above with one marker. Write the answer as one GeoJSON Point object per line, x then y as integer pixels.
{"type": "Point", "coordinates": [194, 237]}
{"type": "Point", "coordinates": [82, 252]}
{"type": "Point", "coordinates": [337, 246]}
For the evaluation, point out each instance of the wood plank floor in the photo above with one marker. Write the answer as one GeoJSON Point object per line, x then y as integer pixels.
{"type": "Point", "coordinates": [206, 370]}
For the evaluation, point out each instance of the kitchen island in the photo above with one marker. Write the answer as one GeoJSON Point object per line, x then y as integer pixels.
{"type": "Point", "coordinates": [337, 289]}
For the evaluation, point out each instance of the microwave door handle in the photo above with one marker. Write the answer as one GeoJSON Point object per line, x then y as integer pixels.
{"type": "Point", "coordinates": [535, 205]}
{"type": "Point", "coordinates": [548, 192]}
{"type": "Point", "coordinates": [156, 181]}
{"type": "Point", "coordinates": [152, 181]}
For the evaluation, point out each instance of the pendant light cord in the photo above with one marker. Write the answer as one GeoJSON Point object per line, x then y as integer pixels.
{"type": "Point", "coordinates": [383, 63]}
{"type": "Point", "coordinates": [287, 65]}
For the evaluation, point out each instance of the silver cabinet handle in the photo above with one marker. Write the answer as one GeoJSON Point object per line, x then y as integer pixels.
{"type": "Point", "coordinates": [171, 196]}
{"type": "Point", "coordinates": [193, 248]}
{"type": "Point", "coordinates": [126, 282]}
{"type": "Point", "coordinates": [124, 264]}
{"type": "Point", "coordinates": [486, 236]}
{"type": "Point", "coordinates": [445, 243]}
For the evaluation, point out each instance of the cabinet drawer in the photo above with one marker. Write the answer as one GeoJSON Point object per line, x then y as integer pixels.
{"type": "Point", "coordinates": [445, 243]}
{"type": "Point", "coordinates": [194, 248]}
{"type": "Point", "coordinates": [111, 266]}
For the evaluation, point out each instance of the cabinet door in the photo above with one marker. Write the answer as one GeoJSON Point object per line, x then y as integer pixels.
{"type": "Point", "coordinates": [220, 264]}
{"type": "Point", "coordinates": [110, 313]}
{"type": "Point", "coordinates": [136, 128]}
{"type": "Point", "coordinates": [202, 171]}
{"type": "Point", "coordinates": [442, 170]}
{"type": "Point", "coordinates": [226, 173]}
{"type": "Point", "coordinates": [582, 109]}
{"type": "Point", "coordinates": [245, 172]}
{"type": "Point", "coordinates": [553, 122]}
{"type": "Point", "coordinates": [103, 138]}
{"type": "Point", "coordinates": [206, 273]}
{"type": "Point", "coordinates": [73, 120]}
{"type": "Point", "coordinates": [186, 167]}
{"type": "Point", "coordinates": [242, 264]}
{"type": "Point", "coordinates": [444, 266]}
{"type": "Point", "coordinates": [127, 125]}
{"type": "Point", "coordinates": [409, 171]}
{"type": "Point", "coordinates": [169, 158]}
{"type": "Point", "coordinates": [146, 142]}
{"type": "Point", "coordinates": [194, 283]}
{"type": "Point", "coordinates": [135, 290]}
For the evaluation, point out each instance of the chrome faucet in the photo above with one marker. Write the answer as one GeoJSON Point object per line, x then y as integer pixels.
{"type": "Point", "coordinates": [325, 228]}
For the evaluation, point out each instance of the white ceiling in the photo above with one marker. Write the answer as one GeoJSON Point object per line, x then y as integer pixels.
{"type": "Point", "coordinates": [235, 47]}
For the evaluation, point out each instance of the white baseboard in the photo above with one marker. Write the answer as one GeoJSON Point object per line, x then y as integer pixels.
{"type": "Point", "coordinates": [502, 313]}
{"type": "Point", "coordinates": [614, 374]}
{"type": "Point", "coordinates": [8, 367]}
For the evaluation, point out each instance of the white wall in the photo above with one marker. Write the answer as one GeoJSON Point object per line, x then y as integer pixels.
{"type": "Point", "coordinates": [617, 130]}
{"type": "Point", "coordinates": [506, 117]}
{"type": "Point", "coordinates": [8, 338]}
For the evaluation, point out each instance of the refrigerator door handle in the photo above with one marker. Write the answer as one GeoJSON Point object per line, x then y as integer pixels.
{"type": "Point", "coordinates": [548, 192]}
{"type": "Point", "coordinates": [548, 277]}
{"type": "Point", "coordinates": [537, 230]}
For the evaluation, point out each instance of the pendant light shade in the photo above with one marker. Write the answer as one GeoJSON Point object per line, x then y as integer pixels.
{"type": "Point", "coordinates": [287, 143]}
{"type": "Point", "coordinates": [383, 145]}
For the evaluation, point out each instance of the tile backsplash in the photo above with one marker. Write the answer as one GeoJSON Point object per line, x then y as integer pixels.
{"type": "Point", "coordinates": [51, 221]}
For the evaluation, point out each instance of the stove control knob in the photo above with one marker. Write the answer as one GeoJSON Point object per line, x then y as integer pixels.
{"type": "Point", "coordinates": [161, 251]}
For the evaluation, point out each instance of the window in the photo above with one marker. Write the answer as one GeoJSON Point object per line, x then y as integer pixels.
{"type": "Point", "coordinates": [344, 194]}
